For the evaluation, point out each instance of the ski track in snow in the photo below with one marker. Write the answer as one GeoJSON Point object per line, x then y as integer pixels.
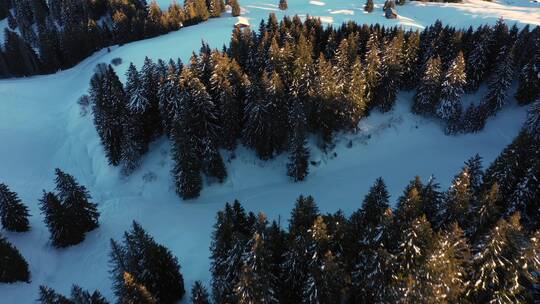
{"type": "Point", "coordinates": [41, 129]}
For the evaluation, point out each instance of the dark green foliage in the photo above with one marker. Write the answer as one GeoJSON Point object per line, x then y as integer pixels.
{"type": "Point", "coordinates": [13, 266]}
{"type": "Point", "coordinates": [283, 5]}
{"type": "Point", "coordinates": [199, 295]}
{"type": "Point", "coordinates": [13, 213]}
{"type": "Point", "coordinates": [149, 266]}
{"type": "Point", "coordinates": [69, 214]}
{"type": "Point", "coordinates": [78, 296]}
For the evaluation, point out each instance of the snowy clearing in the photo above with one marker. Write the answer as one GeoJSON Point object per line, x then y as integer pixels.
{"type": "Point", "coordinates": [41, 129]}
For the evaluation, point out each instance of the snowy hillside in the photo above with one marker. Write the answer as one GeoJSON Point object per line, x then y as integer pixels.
{"type": "Point", "coordinates": [41, 128]}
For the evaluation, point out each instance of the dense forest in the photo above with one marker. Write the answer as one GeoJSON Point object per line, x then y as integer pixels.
{"type": "Point", "coordinates": [46, 36]}
{"type": "Point", "coordinates": [271, 89]}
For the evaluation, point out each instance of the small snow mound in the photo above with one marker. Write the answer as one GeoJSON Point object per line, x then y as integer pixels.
{"type": "Point", "coordinates": [318, 3]}
{"type": "Point", "coordinates": [343, 12]}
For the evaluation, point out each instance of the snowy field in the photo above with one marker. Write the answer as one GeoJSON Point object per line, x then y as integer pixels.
{"type": "Point", "coordinates": [41, 128]}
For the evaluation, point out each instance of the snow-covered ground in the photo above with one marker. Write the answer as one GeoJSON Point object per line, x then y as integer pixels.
{"type": "Point", "coordinates": [41, 128]}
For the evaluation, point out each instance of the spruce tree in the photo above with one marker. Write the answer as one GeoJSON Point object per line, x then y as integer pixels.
{"type": "Point", "coordinates": [369, 6]}
{"type": "Point", "coordinates": [373, 65]}
{"type": "Point", "coordinates": [391, 71]}
{"type": "Point", "coordinates": [150, 264]}
{"type": "Point", "coordinates": [499, 83]}
{"type": "Point", "coordinates": [458, 201]}
{"type": "Point", "coordinates": [532, 124]}
{"type": "Point", "coordinates": [235, 6]}
{"type": "Point", "coordinates": [13, 265]}
{"type": "Point", "coordinates": [428, 93]}
{"type": "Point", "coordinates": [411, 61]}
{"type": "Point", "coordinates": [298, 166]}
{"type": "Point", "coordinates": [199, 295]}
{"type": "Point", "coordinates": [47, 295]}
{"type": "Point", "coordinates": [411, 276]}
{"type": "Point", "coordinates": [256, 284]}
{"type": "Point", "coordinates": [109, 109]}
{"type": "Point", "coordinates": [135, 293]}
{"type": "Point", "coordinates": [450, 107]}
{"type": "Point", "coordinates": [169, 99]}
{"type": "Point", "coordinates": [149, 89]}
{"type": "Point", "coordinates": [324, 279]}
{"type": "Point", "coordinates": [13, 213]}
{"type": "Point", "coordinates": [528, 87]}
{"type": "Point", "coordinates": [477, 62]}
{"type": "Point", "coordinates": [449, 266]}
{"type": "Point", "coordinates": [502, 268]}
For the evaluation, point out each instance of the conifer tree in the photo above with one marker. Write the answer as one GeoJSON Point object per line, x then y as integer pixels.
{"type": "Point", "coordinates": [169, 99]}
{"type": "Point", "coordinates": [501, 269]}
{"type": "Point", "coordinates": [411, 54]}
{"type": "Point", "coordinates": [13, 265]}
{"type": "Point", "coordinates": [235, 6]}
{"type": "Point", "coordinates": [324, 279]}
{"type": "Point", "coordinates": [80, 296]}
{"type": "Point", "coordinates": [109, 108]}
{"type": "Point", "coordinates": [283, 5]}
{"type": "Point", "coordinates": [391, 71]}
{"type": "Point", "coordinates": [477, 63]}
{"type": "Point", "coordinates": [149, 89]}
{"type": "Point", "coordinates": [532, 124]}
{"type": "Point", "coordinates": [13, 213]}
{"type": "Point", "coordinates": [529, 78]}
{"type": "Point", "coordinates": [373, 65]}
{"type": "Point", "coordinates": [449, 266]}
{"type": "Point", "coordinates": [428, 93]}
{"type": "Point", "coordinates": [199, 295]}
{"type": "Point", "coordinates": [47, 295]}
{"type": "Point", "coordinates": [411, 277]}
{"type": "Point", "coordinates": [458, 201]}
{"type": "Point", "coordinates": [298, 166]}
{"type": "Point", "coordinates": [450, 107]}
{"type": "Point", "coordinates": [151, 265]}
{"type": "Point", "coordinates": [135, 293]}
{"type": "Point", "coordinates": [499, 83]}
{"type": "Point", "coordinates": [369, 6]}
{"type": "Point", "coordinates": [297, 259]}
{"type": "Point", "coordinates": [256, 284]}
{"type": "Point", "coordinates": [355, 105]}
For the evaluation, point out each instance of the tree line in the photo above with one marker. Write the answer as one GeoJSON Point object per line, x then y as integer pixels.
{"type": "Point", "coordinates": [270, 89]}
{"type": "Point", "coordinates": [476, 242]}
{"type": "Point", "coordinates": [46, 36]}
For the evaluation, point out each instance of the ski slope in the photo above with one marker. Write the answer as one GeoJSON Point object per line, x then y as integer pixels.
{"type": "Point", "coordinates": [41, 128]}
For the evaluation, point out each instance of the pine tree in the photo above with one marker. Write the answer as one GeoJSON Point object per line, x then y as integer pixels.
{"type": "Point", "coordinates": [449, 266]}
{"type": "Point", "coordinates": [411, 277]}
{"type": "Point", "coordinates": [297, 259]}
{"type": "Point", "coordinates": [283, 5]}
{"type": "Point", "coordinates": [528, 87]}
{"type": "Point", "coordinates": [369, 6]}
{"type": "Point", "coordinates": [109, 108]}
{"type": "Point", "coordinates": [75, 202]}
{"type": "Point", "coordinates": [13, 213]}
{"type": "Point", "coordinates": [427, 95]}
{"type": "Point", "coordinates": [458, 201]}
{"type": "Point", "coordinates": [199, 295]}
{"type": "Point", "coordinates": [298, 166]}
{"type": "Point", "coordinates": [501, 269]}
{"type": "Point", "coordinates": [477, 63]}
{"type": "Point", "coordinates": [149, 89]}
{"type": "Point", "coordinates": [14, 266]}
{"type": "Point", "coordinates": [324, 279]}
{"type": "Point", "coordinates": [411, 61]}
{"type": "Point", "coordinates": [452, 88]}
{"type": "Point", "coordinates": [151, 265]}
{"type": "Point", "coordinates": [355, 106]}
{"type": "Point", "coordinates": [499, 83]}
{"type": "Point", "coordinates": [169, 99]}
{"type": "Point", "coordinates": [532, 124]}
{"type": "Point", "coordinates": [256, 281]}
{"type": "Point", "coordinates": [134, 144]}
{"type": "Point", "coordinates": [48, 296]}
{"type": "Point", "coordinates": [135, 293]}
{"type": "Point", "coordinates": [373, 65]}
{"type": "Point", "coordinates": [235, 8]}
{"type": "Point", "coordinates": [80, 296]}
{"type": "Point", "coordinates": [391, 71]}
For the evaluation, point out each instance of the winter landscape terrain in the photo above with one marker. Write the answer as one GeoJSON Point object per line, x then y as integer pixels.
{"type": "Point", "coordinates": [42, 128]}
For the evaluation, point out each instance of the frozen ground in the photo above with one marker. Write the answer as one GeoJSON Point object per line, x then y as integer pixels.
{"type": "Point", "coordinates": [41, 128]}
